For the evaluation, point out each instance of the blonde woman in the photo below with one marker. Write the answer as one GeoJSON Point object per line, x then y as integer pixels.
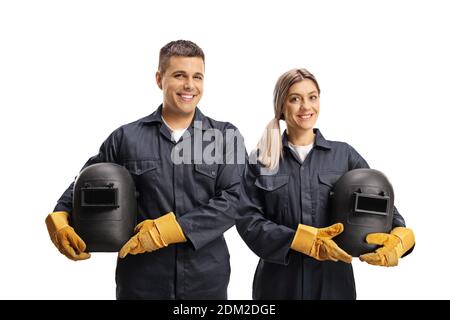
{"type": "Point", "coordinates": [284, 202]}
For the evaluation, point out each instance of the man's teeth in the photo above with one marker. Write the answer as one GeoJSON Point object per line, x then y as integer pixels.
{"type": "Point", "coordinates": [187, 96]}
{"type": "Point", "coordinates": [307, 116]}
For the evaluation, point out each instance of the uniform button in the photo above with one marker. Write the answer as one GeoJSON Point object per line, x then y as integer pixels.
{"type": "Point", "coordinates": [213, 173]}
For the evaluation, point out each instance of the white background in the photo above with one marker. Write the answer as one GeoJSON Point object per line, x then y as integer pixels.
{"type": "Point", "coordinates": [73, 71]}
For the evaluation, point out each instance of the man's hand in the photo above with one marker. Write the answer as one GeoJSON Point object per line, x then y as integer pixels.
{"type": "Point", "coordinates": [64, 236]}
{"type": "Point", "coordinates": [152, 235]}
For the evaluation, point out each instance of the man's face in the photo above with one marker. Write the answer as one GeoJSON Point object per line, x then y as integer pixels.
{"type": "Point", "coordinates": [182, 84]}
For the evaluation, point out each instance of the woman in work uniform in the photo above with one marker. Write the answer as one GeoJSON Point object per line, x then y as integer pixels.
{"type": "Point", "coordinates": [284, 203]}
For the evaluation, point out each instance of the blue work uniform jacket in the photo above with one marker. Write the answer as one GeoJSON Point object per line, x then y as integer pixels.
{"type": "Point", "coordinates": [202, 195]}
{"type": "Point", "coordinates": [272, 206]}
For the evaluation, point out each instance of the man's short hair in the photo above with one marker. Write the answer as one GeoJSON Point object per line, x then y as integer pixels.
{"type": "Point", "coordinates": [180, 48]}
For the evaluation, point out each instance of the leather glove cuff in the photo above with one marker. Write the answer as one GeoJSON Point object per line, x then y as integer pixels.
{"type": "Point", "coordinates": [55, 221]}
{"type": "Point", "coordinates": [304, 239]}
{"type": "Point", "coordinates": [169, 229]}
{"type": "Point", "coordinates": [406, 237]}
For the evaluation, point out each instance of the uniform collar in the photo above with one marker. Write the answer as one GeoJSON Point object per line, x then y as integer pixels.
{"type": "Point", "coordinates": [319, 140]}
{"type": "Point", "coordinates": [198, 116]}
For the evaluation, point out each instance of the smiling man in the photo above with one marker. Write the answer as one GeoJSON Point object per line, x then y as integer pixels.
{"type": "Point", "coordinates": [178, 250]}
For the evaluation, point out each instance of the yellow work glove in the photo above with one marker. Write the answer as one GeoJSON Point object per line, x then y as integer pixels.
{"type": "Point", "coordinates": [317, 243]}
{"type": "Point", "coordinates": [394, 245]}
{"type": "Point", "coordinates": [152, 235]}
{"type": "Point", "coordinates": [64, 237]}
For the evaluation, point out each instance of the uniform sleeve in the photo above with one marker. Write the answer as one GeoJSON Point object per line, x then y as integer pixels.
{"type": "Point", "coordinates": [267, 239]}
{"type": "Point", "coordinates": [356, 161]}
{"type": "Point", "coordinates": [206, 223]}
{"type": "Point", "coordinates": [108, 152]}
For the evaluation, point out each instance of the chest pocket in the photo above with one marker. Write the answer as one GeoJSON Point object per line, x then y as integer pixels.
{"type": "Point", "coordinates": [205, 176]}
{"type": "Point", "coordinates": [209, 170]}
{"type": "Point", "coordinates": [139, 167]}
{"type": "Point", "coordinates": [326, 182]}
{"type": "Point", "coordinates": [274, 189]}
{"type": "Point", "coordinates": [144, 172]}
{"type": "Point", "coordinates": [204, 184]}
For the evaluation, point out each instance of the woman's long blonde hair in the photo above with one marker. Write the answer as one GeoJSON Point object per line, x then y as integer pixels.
{"type": "Point", "coordinates": [270, 146]}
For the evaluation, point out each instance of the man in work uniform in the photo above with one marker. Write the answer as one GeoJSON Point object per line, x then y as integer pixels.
{"type": "Point", "coordinates": [185, 201]}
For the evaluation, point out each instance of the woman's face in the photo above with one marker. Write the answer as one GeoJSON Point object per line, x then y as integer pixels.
{"type": "Point", "coordinates": [302, 105]}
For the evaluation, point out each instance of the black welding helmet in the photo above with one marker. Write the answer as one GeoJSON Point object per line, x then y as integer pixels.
{"type": "Point", "coordinates": [363, 201]}
{"type": "Point", "coordinates": [104, 207]}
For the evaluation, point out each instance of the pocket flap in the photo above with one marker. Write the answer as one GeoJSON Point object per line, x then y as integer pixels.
{"type": "Point", "coordinates": [329, 178]}
{"type": "Point", "coordinates": [209, 170]}
{"type": "Point", "coordinates": [271, 183]}
{"type": "Point", "coordinates": [139, 167]}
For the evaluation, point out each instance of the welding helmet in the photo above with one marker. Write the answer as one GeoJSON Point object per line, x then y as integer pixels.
{"type": "Point", "coordinates": [104, 207]}
{"type": "Point", "coordinates": [363, 201]}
